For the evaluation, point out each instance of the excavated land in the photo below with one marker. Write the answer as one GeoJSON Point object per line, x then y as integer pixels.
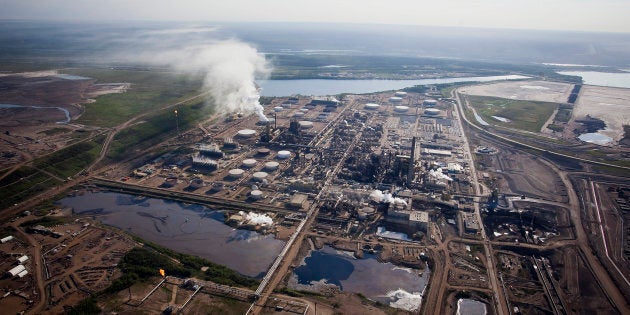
{"type": "Point", "coordinates": [612, 105]}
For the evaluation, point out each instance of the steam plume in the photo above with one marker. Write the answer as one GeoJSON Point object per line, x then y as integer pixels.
{"type": "Point", "coordinates": [229, 68]}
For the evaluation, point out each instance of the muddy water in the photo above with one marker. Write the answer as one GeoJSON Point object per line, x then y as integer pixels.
{"type": "Point", "coordinates": [399, 287]}
{"type": "Point", "coordinates": [190, 229]}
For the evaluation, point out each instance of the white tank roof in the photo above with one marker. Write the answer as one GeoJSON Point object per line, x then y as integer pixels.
{"type": "Point", "coordinates": [272, 165]}
{"type": "Point", "coordinates": [372, 106]}
{"type": "Point", "coordinates": [236, 172]}
{"type": "Point", "coordinates": [278, 108]}
{"type": "Point", "coordinates": [256, 193]}
{"type": "Point", "coordinates": [249, 162]}
{"type": "Point", "coordinates": [246, 133]}
{"type": "Point", "coordinates": [304, 124]}
{"type": "Point", "coordinates": [260, 175]}
{"type": "Point", "coordinates": [298, 114]}
{"type": "Point", "coordinates": [400, 94]}
{"type": "Point", "coordinates": [432, 111]}
{"type": "Point", "coordinates": [395, 99]}
{"type": "Point", "coordinates": [401, 109]}
{"type": "Point", "coordinates": [284, 154]}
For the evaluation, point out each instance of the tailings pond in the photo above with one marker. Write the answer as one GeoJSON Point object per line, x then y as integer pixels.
{"type": "Point", "coordinates": [190, 229]}
{"type": "Point", "coordinates": [399, 287]}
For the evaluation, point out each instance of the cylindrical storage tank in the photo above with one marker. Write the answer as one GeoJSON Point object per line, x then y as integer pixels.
{"type": "Point", "coordinates": [278, 109]}
{"type": "Point", "coordinates": [305, 124]}
{"type": "Point", "coordinates": [401, 109]}
{"type": "Point", "coordinates": [259, 176]}
{"type": "Point", "coordinates": [272, 166]}
{"type": "Point", "coordinates": [256, 194]}
{"type": "Point", "coordinates": [263, 151]}
{"type": "Point", "coordinates": [246, 133]}
{"type": "Point", "coordinates": [298, 114]}
{"type": "Point", "coordinates": [249, 163]}
{"type": "Point", "coordinates": [371, 106]}
{"type": "Point", "coordinates": [284, 154]}
{"type": "Point", "coordinates": [304, 110]}
{"type": "Point", "coordinates": [432, 111]}
{"type": "Point", "coordinates": [395, 99]}
{"type": "Point", "coordinates": [236, 173]}
{"type": "Point", "coordinates": [429, 103]}
{"type": "Point", "coordinates": [400, 94]}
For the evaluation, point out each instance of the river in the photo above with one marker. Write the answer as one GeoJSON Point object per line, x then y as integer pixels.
{"type": "Point", "coordinates": [333, 87]}
{"type": "Point", "coordinates": [621, 80]}
{"type": "Point", "coordinates": [65, 111]}
{"type": "Point", "coordinates": [189, 229]}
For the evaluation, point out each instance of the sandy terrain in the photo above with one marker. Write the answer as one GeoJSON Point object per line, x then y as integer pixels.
{"type": "Point", "coordinates": [523, 90]}
{"type": "Point", "coordinates": [612, 105]}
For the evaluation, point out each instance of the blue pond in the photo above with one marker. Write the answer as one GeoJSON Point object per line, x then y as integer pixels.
{"type": "Point", "coordinates": [190, 229]}
{"type": "Point", "coordinates": [400, 287]}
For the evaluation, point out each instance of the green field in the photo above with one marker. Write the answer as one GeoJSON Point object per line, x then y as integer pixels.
{"type": "Point", "coordinates": [156, 128]}
{"type": "Point", "coordinates": [524, 115]}
{"type": "Point", "coordinates": [71, 160]}
{"type": "Point", "coordinates": [22, 184]}
{"type": "Point", "coordinates": [149, 89]}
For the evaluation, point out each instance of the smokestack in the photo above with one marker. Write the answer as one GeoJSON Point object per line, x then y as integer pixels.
{"type": "Point", "coordinates": [412, 162]}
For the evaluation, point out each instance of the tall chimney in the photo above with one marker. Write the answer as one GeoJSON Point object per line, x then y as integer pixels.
{"type": "Point", "coordinates": [412, 162]}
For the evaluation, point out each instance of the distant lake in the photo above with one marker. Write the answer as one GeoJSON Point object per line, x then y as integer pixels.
{"type": "Point", "coordinates": [332, 87]}
{"type": "Point", "coordinates": [621, 80]}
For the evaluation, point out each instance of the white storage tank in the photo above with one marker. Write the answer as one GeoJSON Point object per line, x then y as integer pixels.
{"type": "Point", "coordinates": [22, 274]}
{"type": "Point", "coordinates": [429, 103]}
{"type": "Point", "coordinates": [372, 106]}
{"type": "Point", "coordinates": [284, 154]}
{"type": "Point", "coordinates": [401, 109]}
{"type": "Point", "coordinates": [6, 239]}
{"type": "Point", "coordinates": [298, 114]}
{"type": "Point", "coordinates": [22, 259]}
{"type": "Point", "coordinates": [304, 124]}
{"type": "Point", "coordinates": [432, 111]}
{"type": "Point", "coordinates": [260, 176]}
{"type": "Point", "coordinates": [272, 166]}
{"type": "Point", "coordinates": [278, 109]}
{"type": "Point", "coordinates": [400, 94]}
{"type": "Point", "coordinates": [246, 133]}
{"type": "Point", "coordinates": [249, 163]}
{"type": "Point", "coordinates": [256, 194]}
{"type": "Point", "coordinates": [16, 270]}
{"type": "Point", "coordinates": [395, 99]}
{"type": "Point", "coordinates": [236, 173]}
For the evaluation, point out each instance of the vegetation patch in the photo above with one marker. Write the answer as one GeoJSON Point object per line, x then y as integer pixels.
{"type": "Point", "coordinates": [156, 128]}
{"type": "Point", "coordinates": [71, 160]}
{"type": "Point", "coordinates": [22, 184]}
{"type": "Point", "coordinates": [524, 115]}
{"type": "Point", "coordinates": [149, 89]}
{"type": "Point", "coordinates": [45, 221]}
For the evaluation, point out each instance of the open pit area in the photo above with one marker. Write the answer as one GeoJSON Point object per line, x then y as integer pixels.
{"type": "Point", "coordinates": [608, 104]}
{"type": "Point", "coordinates": [529, 90]}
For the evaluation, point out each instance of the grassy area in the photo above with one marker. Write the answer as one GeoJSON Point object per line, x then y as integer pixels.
{"type": "Point", "coordinates": [71, 160]}
{"type": "Point", "coordinates": [156, 128]}
{"type": "Point", "coordinates": [524, 115]}
{"type": "Point", "coordinates": [25, 182]}
{"type": "Point", "coordinates": [149, 89]}
{"type": "Point", "coordinates": [45, 221]}
{"type": "Point", "coordinates": [142, 263]}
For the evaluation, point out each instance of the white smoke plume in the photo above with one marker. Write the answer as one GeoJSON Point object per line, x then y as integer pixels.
{"type": "Point", "coordinates": [437, 174]}
{"type": "Point", "coordinates": [379, 196]}
{"type": "Point", "coordinates": [256, 219]}
{"type": "Point", "coordinates": [229, 67]}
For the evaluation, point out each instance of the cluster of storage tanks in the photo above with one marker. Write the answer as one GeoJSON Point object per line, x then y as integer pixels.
{"type": "Point", "coordinates": [428, 104]}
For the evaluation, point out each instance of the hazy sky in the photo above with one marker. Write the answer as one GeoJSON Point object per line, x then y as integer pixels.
{"type": "Point", "coordinates": [580, 15]}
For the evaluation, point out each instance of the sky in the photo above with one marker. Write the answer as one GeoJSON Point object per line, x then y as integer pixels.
{"type": "Point", "coordinates": [573, 15]}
